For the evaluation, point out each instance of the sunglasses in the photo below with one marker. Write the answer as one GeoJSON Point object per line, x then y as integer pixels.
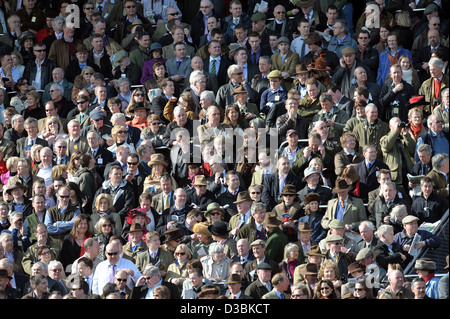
{"type": "Point", "coordinates": [56, 270]}
{"type": "Point", "coordinates": [98, 120]}
{"type": "Point", "coordinates": [112, 254]}
{"type": "Point", "coordinates": [255, 193]}
{"type": "Point", "coordinates": [81, 102]}
{"type": "Point", "coordinates": [139, 94]}
{"type": "Point", "coordinates": [121, 280]}
{"type": "Point", "coordinates": [54, 122]}
{"type": "Point", "coordinates": [290, 195]}
{"type": "Point", "coordinates": [180, 254]}
{"type": "Point", "coordinates": [132, 163]}
{"type": "Point", "coordinates": [43, 50]}
{"type": "Point", "coordinates": [50, 110]}
{"type": "Point", "coordinates": [64, 196]}
{"type": "Point", "coordinates": [359, 289]}
{"type": "Point", "coordinates": [122, 132]}
{"type": "Point", "coordinates": [89, 74]}
{"type": "Point", "coordinates": [61, 146]}
{"type": "Point", "coordinates": [324, 288]}
{"type": "Point", "coordinates": [156, 123]}
{"type": "Point", "coordinates": [173, 14]}
{"type": "Point", "coordinates": [106, 225]}
{"type": "Point", "coordinates": [129, 7]}
{"type": "Point", "coordinates": [24, 83]}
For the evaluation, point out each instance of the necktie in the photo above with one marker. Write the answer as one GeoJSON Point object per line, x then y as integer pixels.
{"type": "Point", "coordinates": [178, 64]}
{"type": "Point", "coordinates": [166, 202]}
{"type": "Point", "coordinates": [94, 153]}
{"type": "Point", "coordinates": [369, 166]}
{"type": "Point", "coordinates": [254, 57]}
{"type": "Point", "coordinates": [100, 9]}
{"type": "Point", "coordinates": [111, 273]}
{"type": "Point", "coordinates": [302, 52]}
{"type": "Point", "coordinates": [122, 295]}
{"type": "Point", "coordinates": [153, 255]}
{"type": "Point", "coordinates": [213, 67]}
{"type": "Point", "coordinates": [282, 296]}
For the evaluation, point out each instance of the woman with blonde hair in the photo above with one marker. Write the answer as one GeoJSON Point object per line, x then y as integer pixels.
{"type": "Point", "coordinates": [416, 127]}
{"type": "Point", "coordinates": [329, 270]}
{"type": "Point", "coordinates": [59, 170]}
{"type": "Point", "coordinates": [53, 130]}
{"type": "Point", "coordinates": [317, 163]}
{"type": "Point", "coordinates": [409, 73]}
{"type": "Point", "coordinates": [81, 81]}
{"type": "Point", "coordinates": [35, 154]}
{"type": "Point", "coordinates": [111, 49]}
{"type": "Point", "coordinates": [74, 164]}
{"type": "Point", "coordinates": [11, 166]}
{"type": "Point", "coordinates": [105, 229]}
{"type": "Point", "coordinates": [119, 135]}
{"type": "Point", "coordinates": [177, 271]}
{"type": "Point", "coordinates": [154, 131]}
{"type": "Point", "coordinates": [138, 96]}
{"type": "Point", "coordinates": [158, 165]}
{"type": "Point", "coordinates": [104, 207]}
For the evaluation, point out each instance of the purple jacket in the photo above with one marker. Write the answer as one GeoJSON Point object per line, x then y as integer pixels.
{"type": "Point", "coordinates": [147, 70]}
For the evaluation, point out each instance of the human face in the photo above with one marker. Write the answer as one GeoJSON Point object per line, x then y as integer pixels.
{"type": "Point", "coordinates": [178, 35]}
{"type": "Point", "coordinates": [392, 42]}
{"type": "Point", "coordinates": [396, 74]}
{"type": "Point", "coordinates": [42, 287]}
{"type": "Point", "coordinates": [437, 124]}
{"type": "Point", "coordinates": [419, 289]}
{"type": "Point", "coordinates": [312, 90]}
{"type": "Point", "coordinates": [236, 10]}
{"type": "Point", "coordinates": [115, 176]}
{"type": "Point", "coordinates": [180, 118]}
{"type": "Point", "coordinates": [112, 254]}
{"type": "Point", "coordinates": [130, 8]}
{"type": "Point", "coordinates": [411, 228]}
{"type": "Point", "coordinates": [298, 294]}
{"type": "Point", "coordinates": [241, 34]}
{"type": "Point", "coordinates": [195, 279]}
{"type": "Point", "coordinates": [388, 237]}
{"type": "Point", "coordinates": [293, 254]}
{"type": "Point", "coordinates": [279, 13]}
{"type": "Point", "coordinates": [284, 47]}
{"type": "Point", "coordinates": [372, 115]}
{"type": "Point", "coordinates": [56, 272]}
{"type": "Point", "coordinates": [19, 124]}
{"type": "Point", "coordinates": [206, 7]}
{"type": "Point", "coordinates": [335, 247]}
{"type": "Point", "coordinates": [264, 274]}
{"type": "Point", "coordinates": [360, 291]}
{"type": "Point", "coordinates": [275, 83]}
{"type": "Point", "coordinates": [259, 216]}
{"type": "Point", "coordinates": [435, 72]}
{"type": "Point", "coordinates": [304, 28]}
{"type": "Point", "coordinates": [180, 51]}
{"type": "Point", "coordinates": [427, 189]}
{"type": "Point", "coordinates": [329, 273]}
{"type": "Point", "coordinates": [325, 289]}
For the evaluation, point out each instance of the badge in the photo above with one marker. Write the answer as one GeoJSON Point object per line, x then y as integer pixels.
{"type": "Point", "coordinates": [75, 146]}
{"type": "Point", "coordinates": [33, 19]}
{"type": "Point", "coordinates": [100, 160]}
{"type": "Point", "coordinates": [277, 98]}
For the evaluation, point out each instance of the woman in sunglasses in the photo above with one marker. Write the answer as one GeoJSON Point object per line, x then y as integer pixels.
{"type": "Point", "coordinates": [325, 290]}
{"type": "Point", "coordinates": [119, 135]}
{"type": "Point", "coordinates": [105, 227]}
{"type": "Point", "coordinates": [19, 101]}
{"type": "Point", "coordinates": [53, 131]}
{"type": "Point", "coordinates": [177, 271]}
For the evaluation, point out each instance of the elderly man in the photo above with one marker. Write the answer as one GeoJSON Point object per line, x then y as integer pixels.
{"type": "Point", "coordinates": [211, 79]}
{"type": "Point", "coordinates": [335, 252]}
{"type": "Point", "coordinates": [213, 127]}
{"type": "Point", "coordinates": [423, 56]}
{"type": "Point", "coordinates": [199, 196]}
{"type": "Point", "coordinates": [439, 174]}
{"type": "Point", "coordinates": [258, 248]}
{"type": "Point", "coordinates": [341, 38]}
{"type": "Point", "coordinates": [436, 137]}
{"type": "Point", "coordinates": [346, 208]}
{"type": "Point", "coordinates": [243, 204]}
{"type": "Point", "coordinates": [75, 142]}
{"type": "Point", "coordinates": [61, 103]}
{"type": "Point", "coordinates": [397, 287]}
{"type": "Point", "coordinates": [398, 147]}
{"type": "Point", "coordinates": [383, 205]}
{"type": "Point", "coordinates": [150, 279]}
{"type": "Point", "coordinates": [224, 95]}
{"type": "Point", "coordinates": [181, 124]}
{"type": "Point", "coordinates": [61, 51]}
{"type": "Point", "coordinates": [312, 178]}
{"type": "Point", "coordinates": [17, 131]}
{"type": "Point", "coordinates": [24, 144]}
{"type": "Point", "coordinates": [44, 169]}
{"type": "Point", "coordinates": [274, 183]}
{"type": "Point", "coordinates": [254, 229]}
{"type": "Point", "coordinates": [368, 238]}
{"type": "Point", "coordinates": [58, 76]}
{"type": "Point", "coordinates": [176, 213]}
{"type": "Point", "coordinates": [387, 251]}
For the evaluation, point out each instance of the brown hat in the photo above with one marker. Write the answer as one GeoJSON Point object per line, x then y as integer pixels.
{"type": "Point", "coordinates": [305, 3]}
{"type": "Point", "coordinates": [341, 185]}
{"type": "Point", "coordinates": [304, 227]}
{"type": "Point", "coordinates": [239, 89]}
{"type": "Point", "coordinates": [173, 234]}
{"type": "Point", "coordinates": [13, 184]}
{"type": "Point", "coordinates": [271, 220]}
{"type": "Point", "coordinates": [234, 279]}
{"type": "Point", "coordinates": [348, 51]}
{"type": "Point", "coordinates": [201, 228]}
{"type": "Point", "coordinates": [315, 251]}
{"type": "Point", "coordinates": [157, 158]}
{"type": "Point", "coordinates": [208, 290]}
{"type": "Point", "coordinates": [135, 227]}
{"type": "Point", "coordinates": [243, 197]}
{"type": "Point", "coordinates": [309, 269]}
{"type": "Point", "coordinates": [313, 37]}
{"type": "Point", "coordinates": [135, 22]}
{"type": "Point", "coordinates": [137, 106]}
{"type": "Point", "coordinates": [355, 266]}
{"type": "Point", "coordinates": [289, 189]}
{"type": "Point", "coordinates": [311, 198]}
{"type": "Point", "coordinates": [81, 48]}
{"type": "Point", "coordinates": [319, 64]}
{"type": "Point", "coordinates": [200, 180]}
{"type": "Point", "coordinates": [425, 264]}
{"type": "Point", "coordinates": [301, 68]}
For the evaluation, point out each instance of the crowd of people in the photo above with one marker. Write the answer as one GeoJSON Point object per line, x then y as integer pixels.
{"type": "Point", "coordinates": [202, 149]}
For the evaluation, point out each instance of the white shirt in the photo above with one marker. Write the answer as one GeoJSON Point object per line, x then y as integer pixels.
{"type": "Point", "coordinates": [101, 275]}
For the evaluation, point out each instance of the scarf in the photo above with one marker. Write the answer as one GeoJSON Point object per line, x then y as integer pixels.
{"type": "Point", "coordinates": [416, 130]}
{"type": "Point", "coordinates": [82, 246]}
{"type": "Point", "coordinates": [408, 76]}
{"type": "Point", "coordinates": [357, 191]}
{"type": "Point", "coordinates": [393, 59]}
{"type": "Point", "coordinates": [429, 277]}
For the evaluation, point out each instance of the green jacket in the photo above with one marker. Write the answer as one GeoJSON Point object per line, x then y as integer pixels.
{"type": "Point", "coordinates": [276, 241]}
{"type": "Point", "coordinates": [371, 135]}
{"type": "Point", "coordinates": [392, 155]}
{"type": "Point", "coordinates": [139, 56]}
{"type": "Point", "coordinates": [427, 89]}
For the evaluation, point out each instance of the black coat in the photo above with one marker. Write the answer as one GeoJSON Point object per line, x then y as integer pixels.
{"type": "Point", "coordinates": [271, 192]}
{"type": "Point", "coordinates": [201, 201]}
{"type": "Point", "coordinates": [73, 69]}
{"type": "Point", "coordinates": [141, 292]}
{"type": "Point", "coordinates": [105, 63]}
{"type": "Point", "coordinates": [222, 76]}
{"type": "Point", "coordinates": [368, 180]}
{"type": "Point", "coordinates": [46, 72]}
{"type": "Point", "coordinates": [132, 72]}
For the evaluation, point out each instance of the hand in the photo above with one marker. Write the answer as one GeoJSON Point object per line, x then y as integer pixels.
{"type": "Point", "coordinates": [398, 87]}
{"type": "Point", "coordinates": [289, 224]}
{"type": "Point", "coordinates": [419, 245]}
{"type": "Point", "coordinates": [250, 116]}
{"type": "Point", "coordinates": [140, 281]}
{"type": "Point", "coordinates": [411, 185]}
{"type": "Point", "coordinates": [217, 177]}
{"type": "Point", "coordinates": [403, 257]}
{"type": "Point", "coordinates": [348, 227]}
{"type": "Point", "coordinates": [234, 232]}
{"type": "Point", "coordinates": [170, 224]}
{"type": "Point", "coordinates": [342, 63]}
{"type": "Point", "coordinates": [330, 123]}
{"type": "Point", "coordinates": [285, 75]}
{"type": "Point", "coordinates": [265, 10]}
{"type": "Point", "coordinates": [173, 99]}
{"type": "Point", "coordinates": [321, 149]}
{"type": "Point", "coordinates": [425, 66]}
{"type": "Point", "coordinates": [129, 177]}
{"type": "Point", "coordinates": [386, 219]}
{"type": "Point", "coordinates": [295, 11]}
{"type": "Point", "coordinates": [307, 152]}
{"type": "Point", "coordinates": [292, 112]}
{"type": "Point", "coordinates": [406, 247]}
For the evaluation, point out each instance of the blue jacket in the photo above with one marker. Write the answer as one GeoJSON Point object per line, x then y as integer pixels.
{"type": "Point", "coordinates": [318, 233]}
{"type": "Point", "coordinates": [385, 65]}
{"type": "Point", "coordinates": [431, 241]}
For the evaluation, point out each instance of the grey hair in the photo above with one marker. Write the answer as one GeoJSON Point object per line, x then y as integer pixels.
{"type": "Point", "coordinates": [367, 224]}
{"type": "Point", "coordinates": [231, 69]}
{"type": "Point", "coordinates": [397, 212]}
{"type": "Point", "coordinates": [195, 77]}
{"type": "Point", "coordinates": [57, 19]}
{"type": "Point", "coordinates": [58, 86]}
{"type": "Point", "coordinates": [117, 116]}
{"type": "Point", "coordinates": [438, 160]}
{"type": "Point", "coordinates": [14, 214]}
{"type": "Point", "coordinates": [383, 187]}
{"type": "Point", "coordinates": [325, 97]}
{"type": "Point", "coordinates": [287, 249]}
{"type": "Point", "coordinates": [178, 109]}
{"type": "Point", "coordinates": [208, 95]}
{"type": "Point", "coordinates": [41, 265]}
{"type": "Point", "coordinates": [370, 106]}
{"type": "Point", "coordinates": [55, 263]}
{"type": "Point", "coordinates": [436, 62]}
{"type": "Point", "coordinates": [383, 229]}
{"type": "Point", "coordinates": [215, 248]}
{"type": "Point", "coordinates": [15, 118]}
{"type": "Point", "coordinates": [30, 120]}
{"type": "Point", "coordinates": [153, 270]}
{"type": "Point", "coordinates": [257, 206]}
{"type": "Point", "coordinates": [425, 148]}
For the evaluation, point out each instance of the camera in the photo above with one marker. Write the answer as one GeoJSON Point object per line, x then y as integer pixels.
{"type": "Point", "coordinates": [403, 125]}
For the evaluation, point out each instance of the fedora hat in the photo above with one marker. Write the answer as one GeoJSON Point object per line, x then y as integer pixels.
{"type": "Point", "coordinates": [135, 23]}
{"type": "Point", "coordinates": [319, 64]}
{"type": "Point", "coordinates": [313, 37]}
{"type": "Point", "coordinates": [304, 227]}
{"type": "Point", "coordinates": [26, 35]}
{"type": "Point", "coordinates": [208, 290]}
{"type": "Point", "coordinates": [173, 234]}
{"type": "Point", "coordinates": [239, 89]}
{"type": "Point", "coordinates": [315, 251]}
{"type": "Point", "coordinates": [309, 171]}
{"type": "Point", "coordinates": [214, 206]}
{"type": "Point", "coordinates": [271, 220]}
{"type": "Point", "coordinates": [13, 184]}
{"type": "Point", "coordinates": [137, 212]}
{"type": "Point", "coordinates": [301, 68]}
{"type": "Point", "coordinates": [289, 189]}
{"type": "Point", "coordinates": [200, 180]}
{"type": "Point", "coordinates": [341, 185]}
{"type": "Point", "coordinates": [355, 266]}
{"type": "Point", "coordinates": [309, 269]}
{"type": "Point", "coordinates": [157, 158]}
{"type": "Point", "coordinates": [311, 198]}
{"type": "Point", "coordinates": [425, 264]}
{"type": "Point", "coordinates": [137, 106]}
{"type": "Point", "coordinates": [305, 3]}
{"type": "Point", "coordinates": [234, 279]}
{"type": "Point", "coordinates": [81, 48]}
{"type": "Point", "coordinates": [219, 229]}
{"type": "Point", "coordinates": [243, 197]}
{"type": "Point", "coordinates": [135, 227]}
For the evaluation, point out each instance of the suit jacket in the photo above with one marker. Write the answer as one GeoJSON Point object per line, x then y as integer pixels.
{"type": "Point", "coordinates": [273, 295]}
{"type": "Point", "coordinates": [73, 69]}
{"type": "Point", "coordinates": [440, 183]}
{"type": "Point", "coordinates": [284, 123]}
{"type": "Point", "coordinates": [164, 257]}
{"type": "Point", "coordinates": [289, 64]}
{"type": "Point", "coordinates": [257, 177]}
{"type": "Point", "coordinates": [342, 160]}
{"type": "Point", "coordinates": [205, 132]}
{"type": "Point", "coordinates": [354, 212]}
{"type": "Point", "coordinates": [427, 89]}
{"type": "Point", "coordinates": [158, 202]}
{"type": "Point", "coordinates": [158, 105]}
{"type": "Point", "coordinates": [371, 135]}
{"type": "Point", "coordinates": [168, 51]}
{"type": "Point", "coordinates": [221, 69]}
{"type": "Point", "coordinates": [102, 157]}
{"type": "Point", "coordinates": [80, 145]}
{"type": "Point", "coordinates": [59, 52]}
{"type": "Point", "coordinates": [271, 192]}
{"type": "Point", "coordinates": [133, 254]}
{"type": "Point", "coordinates": [368, 179]}
{"type": "Point", "coordinates": [184, 70]}
{"type": "Point", "coordinates": [23, 142]}
{"type": "Point", "coordinates": [83, 123]}
{"type": "Point", "coordinates": [105, 63]}
{"type": "Point", "coordinates": [256, 290]}
{"type": "Point", "coordinates": [46, 72]}
{"type": "Point", "coordinates": [141, 292]}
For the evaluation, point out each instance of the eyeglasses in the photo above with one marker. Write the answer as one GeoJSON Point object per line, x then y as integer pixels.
{"type": "Point", "coordinates": [24, 83]}
{"type": "Point", "coordinates": [214, 213]}
{"type": "Point", "coordinates": [121, 132]}
{"type": "Point", "coordinates": [324, 288]}
{"type": "Point", "coordinates": [43, 50]}
{"type": "Point", "coordinates": [64, 196]}
{"type": "Point", "coordinates": [139, 94]}
{"type": "Point", "coordinates": [438, 122]}
{"type": "Point", "coordinates": [49, 110]}
{"type": "Point", "coordinates": [359, 289]}
{"type": "Point", "coordinates": [106, 225]}
{"type": "Point", "coordinates": [89, 73]}
{"type": "Point", "coordinates": [336, 244]}
{"type": "Point", "coordinates": [132, 163]}
{"type": "Point", "coordinates": [112, 254]}
{"type": "Point", "coordinates": [61, 146]}
{"type": "Point", "coordinates": [56, 270]}
{"type": "Point", "coordinates": [173, 14]}
{"type": "Point", "coordinates": [98, 120]}
{"type": "Point", "coordinates": [239, 73]}
{"type": "Point", "coordinates": [255, 193]}
{"type": "Point", "coordinates": [180, 254]}
{"type": "Point", "coordinates": [289, 195]}
{"type": "Point", "coordinates": [280, 12]}
{"type": "Point", "coordinates": [81, 102]}
{"type": "Point", "coordinates": [129, 7]}
{"type": "Point", "coordinates": [156, 123]}
{"type": "Point", "coordinates": [148, 278]}
{"type": "Point", "coordinates": [121, 280]}
{"type": "Point", "coordinates": [46, 253]}
{"type": "Point", "coordinates": [54, 122]}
